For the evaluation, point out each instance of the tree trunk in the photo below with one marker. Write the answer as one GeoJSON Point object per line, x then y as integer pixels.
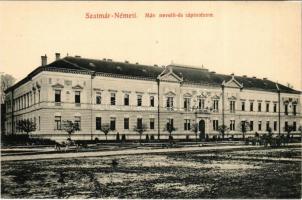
{"type": "Point", "coordinates": [106, 137]}
{"type": "Point", "coordinates": [140, 138]}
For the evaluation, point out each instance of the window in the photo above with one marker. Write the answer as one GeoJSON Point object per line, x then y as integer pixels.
{"type": "Point", "coordinates": [232, 106]}
{"type": "Point", "coordinates": [215, 125]}
{"type": "Point", "coordinates": [126, 100]}
{"type": "Point", "coordinates": [259, 106]}
{"type": "Point", "coordinates": [139, 100]}
{"type": "Point", "coordinates": [170, 123]}
{"type": "Point", "coordinates": [152, 123]}
{"type": "Point", "coordinates": [251, 106]}
{"type": "Point", "coordinates": [259, 126]}
{"type": "Point", "coordinates": [294, 126]}
{"type": "Point", "coordinates": [251, 125]}
{"type": "Point", "coordinates": [267, 126]}
{"type": "Point", "coordinates": [215, 105]}
{"type": "Point", "coordinates": [126, 123]}
{"type": "Point", "coordinates": [286, 126]}
{"type": "Point", "coordinates": [170, 103]}
{"type": "Point", "coordinates": [275, 107]}
{"type": "Point", "coordinates": [139, 123]}
{"type": "Point", "coordinates": [77, 97]}
{"type": "Point", "coordinates": [77, 121]}
{"type": "Point", "coordinates": [112, 99]}
{"type": "Point", "coordinates": [98, 99]}
{"type": "Point", "coordinates": [200, 103]}
{"type": "Point", "coordinates": [98, 123]}
{"type": "Point", "coordinates": [267, 107]}
{"type": "Point", "coordinates": [187, 104]}
{"type": "Point", "coordinates": [152, 101]}
{"type": "Point", "coordinates": [294, 109]}
{"type": "Point", "coordinates": [57, 122]}
{"type": "Point", "coordinates": [243, 106]}
{"type": "Point", "coordinates": [275, 125]}
{"type": "Point", "coordinates": [112, 123]}
{"type": "Point", "coordinates": [286, 109]}
{"type": "Point", "coordinates": [232, 125]}
{"type": "Point", "coordinates": [187, 125]}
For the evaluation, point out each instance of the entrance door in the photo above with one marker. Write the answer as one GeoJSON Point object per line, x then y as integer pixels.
{"type": "Point", "coordinates": [201, 129]}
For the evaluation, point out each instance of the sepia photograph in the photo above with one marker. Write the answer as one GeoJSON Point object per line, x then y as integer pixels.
{"type": "Point", "coordinates": [151, 99]}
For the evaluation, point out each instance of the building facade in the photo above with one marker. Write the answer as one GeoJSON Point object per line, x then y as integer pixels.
{"type": "Point", "coordinates": [123, 95]}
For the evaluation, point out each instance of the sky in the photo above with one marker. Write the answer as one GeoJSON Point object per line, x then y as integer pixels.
{"type": "Point", "coordinates": [261, 39]}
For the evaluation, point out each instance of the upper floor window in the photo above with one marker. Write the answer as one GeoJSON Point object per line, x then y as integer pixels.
{"type": "Point", "coordinates": [275, 107]}
{"type": "Point", "coordinates": [215, 104]}
{"type": "Point", "coordinates": [251, 106]}
{"type": "Point", "coordinates": [112, 99]}
{"type": "Point", "coordinates": [242, 106]}
{"type": "Point", "coordinates": [169, 103]}
{"type": "Point", "coordinates": [139, 100]}
{"type": "Point", "coordinates": [126, 99]}
{"type": "Point", "coordinates": [267, 107]}
{"type": "Point", "coordinates": [201, 103]}
{"type": "Point", "coordinates": [286, 109]}
{"type": "Point", "coordinates": [152, 101]}
{"type": "Point", "coordinates": [259, 106]}
{"type": "Point", "coordinates": [232, 106]}
{"type": "Point", "coordinates": [98, 99]}
{"type": "Point", "coordinates": [187, 102]}
{"type": "Point", "coordinates": [294, 109]}
{"type": "Point", "coordinates": [77, 97]}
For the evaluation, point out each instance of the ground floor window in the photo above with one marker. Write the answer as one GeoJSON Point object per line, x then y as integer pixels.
{"type": "Point", "coordinates": [232, 125]}
{"type": "Point", "coordinates": [126, 123]}
{"type": "Point", "coordinates": [275, 125]}
{"type": "Point", "coordinates": [187, 124]}
{"type": "Point", "coordinates": [251, 125]}
{"type": "Point", "coordinates": [58, 122]}
{"type": "Point", "coordinates": [215, 125]}
{"type": "Point", "coordinates": [98, 123]}
{"type": "Point", "coordinates": [152, 123]}
{"type": "Point", "coordinates": [112, 123]}
{"type": "Point", "coordinates": [259, 126]}
{"type": "Point", "coordinates": [77, 121]}
{"type": "Point", "coordinates": [139, 123]}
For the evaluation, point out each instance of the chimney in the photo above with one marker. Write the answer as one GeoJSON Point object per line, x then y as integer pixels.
{"type": "Point", "coordinates": [57, 56]}
{"type": "Point", "coordinates": [44, 60]}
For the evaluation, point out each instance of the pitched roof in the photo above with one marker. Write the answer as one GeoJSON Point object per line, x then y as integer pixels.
{"type": "Point", "coordinates": [189, 74]}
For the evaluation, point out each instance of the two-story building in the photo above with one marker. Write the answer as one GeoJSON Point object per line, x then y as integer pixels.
{"type": "Point", "coordinates": [96, 92]}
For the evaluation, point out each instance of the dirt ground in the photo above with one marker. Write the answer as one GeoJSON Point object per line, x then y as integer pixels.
{"type": "Point", "coordinates": [261, 173]}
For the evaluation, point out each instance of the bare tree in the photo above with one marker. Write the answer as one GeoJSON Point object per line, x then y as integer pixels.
{"type": "Point", "coordinates": [26, 126]}
{"type": "Point", "coordinates": [244, 127]}
{"type": "Point", "coordinates": [105, 128]}
{"type": "Point", "coordinates": [194, 129]}
{"type": "Point", "coordinates": [6, 82]}
{"type": "Point", "coordinates": [222, 130]}
{"type": "Point", "coordinates": [70, 127]}
{"type": "Point", "coordinates": [170, 128]}
{"type": "Point", "coordinates": [140, 129]}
